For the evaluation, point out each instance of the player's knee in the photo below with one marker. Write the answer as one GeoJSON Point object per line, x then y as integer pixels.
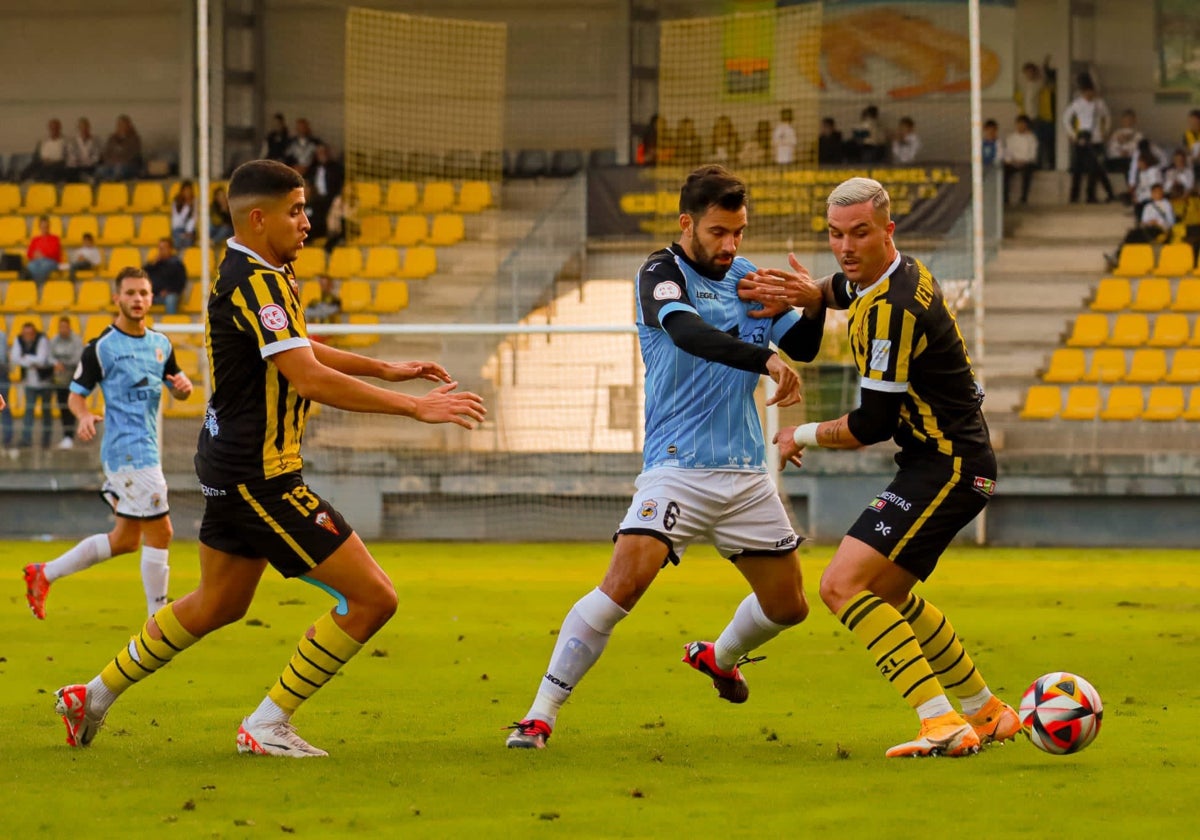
{"type": "Point", "coordinates": [788, 614]}
{"type": "Point", "coordinates": [379, 604]}
{"type": "Point", "coordinates": [834, 592]}
{"type": "Point", "coordinates": [124, 543]}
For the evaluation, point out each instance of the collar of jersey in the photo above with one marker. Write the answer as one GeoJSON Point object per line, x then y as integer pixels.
{"type": "Point", "coordinates": [891, 268]}
{"type": "Point", "coordinates": [240, 247]}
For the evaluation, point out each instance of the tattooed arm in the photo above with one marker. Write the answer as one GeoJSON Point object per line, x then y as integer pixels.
{"type": "Point", "coordinates": [873, 421]}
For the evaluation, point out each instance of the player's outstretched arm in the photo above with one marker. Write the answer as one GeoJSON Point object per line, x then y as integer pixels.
{"type": "Point", "coordinates": [777, 290]}
{"type": "Point", "coordinates": [353, 364]}
{"type": "Point", "coordinates": [85, 421]}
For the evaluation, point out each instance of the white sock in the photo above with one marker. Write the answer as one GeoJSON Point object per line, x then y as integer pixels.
{"type": "Point", "coordinates": [268, 712]}
{"type": "Point", "coordinates": [972, 704]}
{"type": "Point", "coordinates": [100, 697]}
{"type": "Point", "coordinates": [86, 553]}
{"type": "Point", "coordinates": [155, 573]}
{"type": "Point", "coordinates": [581, 640]}
{"type": "Point", "coordinates": [934, 708]}
{"type": "Point", "coordinates": [750, 628]}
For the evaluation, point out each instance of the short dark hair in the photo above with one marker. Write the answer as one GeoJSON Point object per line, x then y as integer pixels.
{"type": "Point", "coordinates": [711, 185]}
{"type": "Point", "coordinates": [268, 178]}
{"type": "Point", "coordinates": [990, 124]}
{"type": "Point", "coordinates": [129, 271]}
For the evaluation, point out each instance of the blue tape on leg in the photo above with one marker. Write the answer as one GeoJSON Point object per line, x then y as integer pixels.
{"type": "Point", "coordinates": [342, 607]}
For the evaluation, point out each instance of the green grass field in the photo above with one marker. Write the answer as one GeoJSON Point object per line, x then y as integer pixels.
{"type": "Point", "coordinates": [644, 749]}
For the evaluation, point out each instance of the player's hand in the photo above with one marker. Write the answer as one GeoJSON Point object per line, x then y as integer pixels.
{"type": "Point", "coordinates": [404, 371]}
{"type": "Point", "coordinates": [789, 451]}
{"type": "Point", "coordinates": [443, 405]}
{"type": "Point", "coordinates": [181, 386]}
{"type": "Point", "coordinates": [85, 426]}
{"type": "Point", "coordinates": [2, 403]}
{"type": "Point", "coordinates": [787, 382]}
{"type": "Point", "coordinates": [777, 290]}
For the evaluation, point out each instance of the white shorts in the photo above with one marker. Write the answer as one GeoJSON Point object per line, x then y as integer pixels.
{"type": "Point", "coordinates": [737, 511]}
{"type": "Point", "coordinates": [137, 494]}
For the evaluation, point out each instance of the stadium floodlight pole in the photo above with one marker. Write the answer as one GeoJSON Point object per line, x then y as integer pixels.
{"type": "Point", "coordinates": [205, 165]}
{"type": "Point", "coordinates": [977, 254]}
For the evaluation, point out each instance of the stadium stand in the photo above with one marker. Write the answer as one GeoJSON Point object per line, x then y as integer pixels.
{"type": "Point", "coordinates": [1129, 330]}
{"type": "Point", "coordinates": [437, 197]}
{"type": "Point", "coordinates": [1135, 260]}
{"type": "Point", "coordinates": [565, 163]}
{"type": "Point", "coordinates": [419, 262]}
{"type": "Point", "coordinates": [1067, 365]}
{"type": "Point", "coordinates": [473, 197]}
{"type": "Point", "coordinates": [1125, 402]}
{"type": "Point", "coordinates": [75, 198]}
{"type": "Point", "coordinates": [411, 229]}
{"type": "Point", "coordinates": [1187, 296]}
{"type": "Point", "coordinates": [1164, 404]}
{"type": "Point", "coordinates": [1170, 330]}
{"type": "Point", "coordinates": [1042, 402]}
{"type": "Point", "coordinates": [401, 196]}
{"type": "Point", "coordinates": [111, 197]}
{"type": "Point", "coordinates": [1090, 330]}
{"type": "Point", "coordinates": [1112, 295]}
{"type": "Point", "coordinates": [1108, 365]}
{"type": "Point", "coordinates": [1153, 293]}
{"type": "Point", "coordinates": [1147, 366]}
{"type": "Point", "coordinates": [77, 226]}
{"type": "Point", "coordinates": [39, 199]}
{"type": "Point", "coordinates": [447, 229]}
{"type": "Point", "coordinates": [1082, 403]}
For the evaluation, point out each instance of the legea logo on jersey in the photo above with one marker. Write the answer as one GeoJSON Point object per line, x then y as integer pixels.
{"type": "Point", "coordinates": [273, 317]}
{"type": "Point", "coordinates": [649, 510]}
{"type": "Point", "coordinates": [668, 290]}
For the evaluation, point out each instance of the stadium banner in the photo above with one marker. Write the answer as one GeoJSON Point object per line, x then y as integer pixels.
{"type": "Point", "coordinates": [640, 201]}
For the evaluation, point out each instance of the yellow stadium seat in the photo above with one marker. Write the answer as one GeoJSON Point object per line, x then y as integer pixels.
{"type": "Point", "coordinates": [1136, 260]}
{"type": "Point", "coordinates": [10, 198]}
{"type": "Point", "coordinates": [94, 296]}
{"type": "Point", "coordinates": [117, 230]}
{"type": "Point", "coordinates": [383, 261]}
{"type": "Point", "coordinates": [191, 261]}
{"type": "Point", "coordinates": [310, 290]}
{"type": "Point", "coordinates": [374, 230]}
{"type": "Point", "coordinates": [194, 302]}
{"type": "Point", "coordinates": [57, 296]}
{"type": "Point", "coordinates": [355, 295]}
{"type": "Point", "coordinates": [1153, 294]}
{"type": "Point", "coordinates": [95, 325]}
{"type": "Point", "coordinates": [367, 194]}
{"type": "Point", "coordinates": [39, 199]}
{"type": "Point", "coordinates": [1083, 403]}
{"type": "Point", "coordinates": [1042, 402]}
{"type": "Point", "coordinates": [411, 229]}
{"type": "Point", "coordinates": [401, 196]}
{"type": "Point", "coordinates": [111, 197]}
{"type": "Point", "coordinates": [13, 231]}
{"type": "Point", "coordinates": [20, 296]}
{"type": "Point", "coordinates": [122, 257]}
{"type": "Point", "coordinates": [75, 198]}
{"type": "Point", "coordinates": [193, 406]}
{"type": "Point", "coordinates": [1165, 403]}
{"type": "Point", "coordinates": [447, 229]}
{"type": "Point", "coordinates": [1170, 330]}
{"type": "Point", "coordinates": [1112, 295]}
{"type": "Point", "coordinates": [151, 229]}
{"type": "Point", "coordinates": [148, 197]}
{"type": "Point", "coordinates": [360, 339]}
{"type": "Point", "coordinates": [474, 196]}
{"type": "Point", "coordinates": [1192, 412]}
{"type": "Point", "coordinates": [1108, 365]}
{"type": "Point", "coordinates": [419, 262]}
{"type": "Point", "coordinates": [1147, 367]}
{"type": "Point", "coordinates": [188, 360]}
{"type": "Point", "coordinates": [1175, 260]}
{"type": "Point", "coordinates": [309, 263]}
{"type": "Point", "coordinates": [345, 262]}
{"type": "Point", "coordinates": [77, 226]}
{"type": "Point", "coordinates": [1090, 330]}
{"type": "Point", "coordinates": [437, 197]}
{"type": "Point", "coordinates": [391, 296]}
{"type": "Point", "coordinates": [1125, 402]}
{"type": "Point", "coordinates": [1130, 330]}
{"type": "Point", "coordinates": [1067, 364]}
{"type": "Point", "coordinates": [1187, 296]}
{"type": "Point", "coordinates": [1185, 367]}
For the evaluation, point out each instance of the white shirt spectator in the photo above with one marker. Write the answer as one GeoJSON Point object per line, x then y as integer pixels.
{"type": "Point", "coordinates": [1144, 179]}
{"type": "Point", "coordinates": [1159, 214]}
{"type": "Point", "coordinates": [906, 148]}
{"type": "Point", "coordinates": [1020, 148]}
{"type": "Point", "coordinates": [783, 138]}
{"type": "Point", "coordinates": [1184, 178]}
{"type": "Point", "coordinates": [89, 254]}
{"type": "Point", "coordinates": [1085, 114]}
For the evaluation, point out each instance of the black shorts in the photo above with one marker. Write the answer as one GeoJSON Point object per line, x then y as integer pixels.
{"type": "Point", "coordinates": [279, 518]}
{"type": "Point", "coordinates": [930, 500]}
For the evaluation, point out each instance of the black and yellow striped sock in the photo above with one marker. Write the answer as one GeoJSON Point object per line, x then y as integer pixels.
{"type": "Point", "coordinates": [942, 648]}
{"type": "Point", "coordinates": [145, 654]}
{"type": "Point", "coordinates": [891, 641]}
{"type": "Point", "coordinates": [317, 658]}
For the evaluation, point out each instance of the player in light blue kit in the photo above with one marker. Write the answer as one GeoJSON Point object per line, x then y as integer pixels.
{"type": "Point", "coordinates": [704, 475]}
{"type": "Point", "coordinates": [131, 364]}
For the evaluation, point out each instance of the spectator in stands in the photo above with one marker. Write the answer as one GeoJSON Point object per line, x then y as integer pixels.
{"type": "Point", "coordinates": [1152, 151]}
{"type": "Point", "coordinates": [1187, 214]}
{"type": "Point", "coordinates": [1191, 140]}
{"type": "Point", "coordinates": [84, 152]}
{"type": "Point", "coordinates": [122, 158]}
{"type": "Point", "coordinates": [183, 216]}
{"type": "Point", "coordinates": [326, 179]}
{"type": "Point", "coordinates": [66, 349]}
{"type": "Point", "coordinates": [725, 142]}
{"type": "Point", "coordinates": [993, 147]}
{"type": "Point", "coordinates": [906, 145]}
{"type": "Point", "coordinates": [275, 144]}
{"type": "Point", "coordinates": [783, 139]}
{"type": "Point", "coordinates": [867, 143]}
{"type": "Point", "coordinates": [689, 148]}
{"type": "Point", "coordinates": [1020, 155]}
{"type": "Point", "coordinates": [1179, 174]}
{"type": "Point", "coordinates": [1145, 176]}
{"type": "Point", "coordinates": [31, 353]}
{"type": "Point", "coordinates": [43, 254]}
{"type": "Point", "coordinates": [49, 156]}
{"type": "Point", "coordinates": [1123, 142]}
{"type": "Point", "coordinates": [757, 150]}
{"type": "Point", "coordinates": [86, 257]}
{"type": "Point", "coordinates": [1154, 225]}
{"type": "Point", "coordinates": [1035, 99]}
{"type": "Point", "coordinates": [302, 148]}
{"type": "Point", "coordinates": [168, 277]}
{"type": "Point", "coordinates": [220, 221]}
{"type": "Point", "coordinates": [1087, 121]}
{"type": "Point", "coordinates": [830, 146]}
{"type": "Point", "coordinates": [6, 426]}
{"type": "Point", "coordinates": [341, 222]}
{"type": "Point", "coordinates": [647, 149]}
{"type": "Point", "coordinates": [326, 308]}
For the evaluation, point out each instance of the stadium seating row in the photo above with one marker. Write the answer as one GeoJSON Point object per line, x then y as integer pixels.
{"type": "Point", "coordinates": [1122, 402]}
{"type": "Point", "coordinates": [1152, 294]}
{"type": "Point", "coordinates": [1143, 366]}
{"type": "Point", "coordinates": [1174, 260]}
{"type": "Point", "coordinates": [1131, 329]}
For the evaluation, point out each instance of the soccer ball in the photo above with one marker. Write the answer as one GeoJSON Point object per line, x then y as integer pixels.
{"type": "Point", "coordinates": [1061, 713]}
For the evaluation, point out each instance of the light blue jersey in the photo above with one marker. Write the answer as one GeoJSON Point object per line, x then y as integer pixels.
{"type": "Point", "coordinates": [699, 414]}
{"type": "Point", "coordinates": [131, 372]}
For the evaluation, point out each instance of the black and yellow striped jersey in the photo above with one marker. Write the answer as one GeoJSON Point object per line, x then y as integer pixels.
{"type": "Point", "coordinates": [255, 420]}
{"type": "Point", "coordinates": [906, 340]}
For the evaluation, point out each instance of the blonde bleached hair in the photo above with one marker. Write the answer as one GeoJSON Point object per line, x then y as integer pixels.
{"type": "Point", "coordinates": [856, 191]}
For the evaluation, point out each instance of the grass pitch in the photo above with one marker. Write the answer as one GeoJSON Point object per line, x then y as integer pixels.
{"type": "Point", "coordinates": [644, 748]}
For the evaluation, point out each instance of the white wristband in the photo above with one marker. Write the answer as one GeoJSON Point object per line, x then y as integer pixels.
{"type": "Point", "coordinates": [806, 435]}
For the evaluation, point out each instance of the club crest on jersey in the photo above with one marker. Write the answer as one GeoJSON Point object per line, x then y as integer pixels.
{"type": "Point", "coordinates": [273, 317]}
{"type": "Point", "coordinates": [326, 521]}
{"type": "Point", "coordinates": [881, 350]}
{"type": "Point", "coordinates": [649, 510]}
{"type": "Point", "coordinates": [986, 486]}
{"type": "Point", "coordinates": [668, 290]}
